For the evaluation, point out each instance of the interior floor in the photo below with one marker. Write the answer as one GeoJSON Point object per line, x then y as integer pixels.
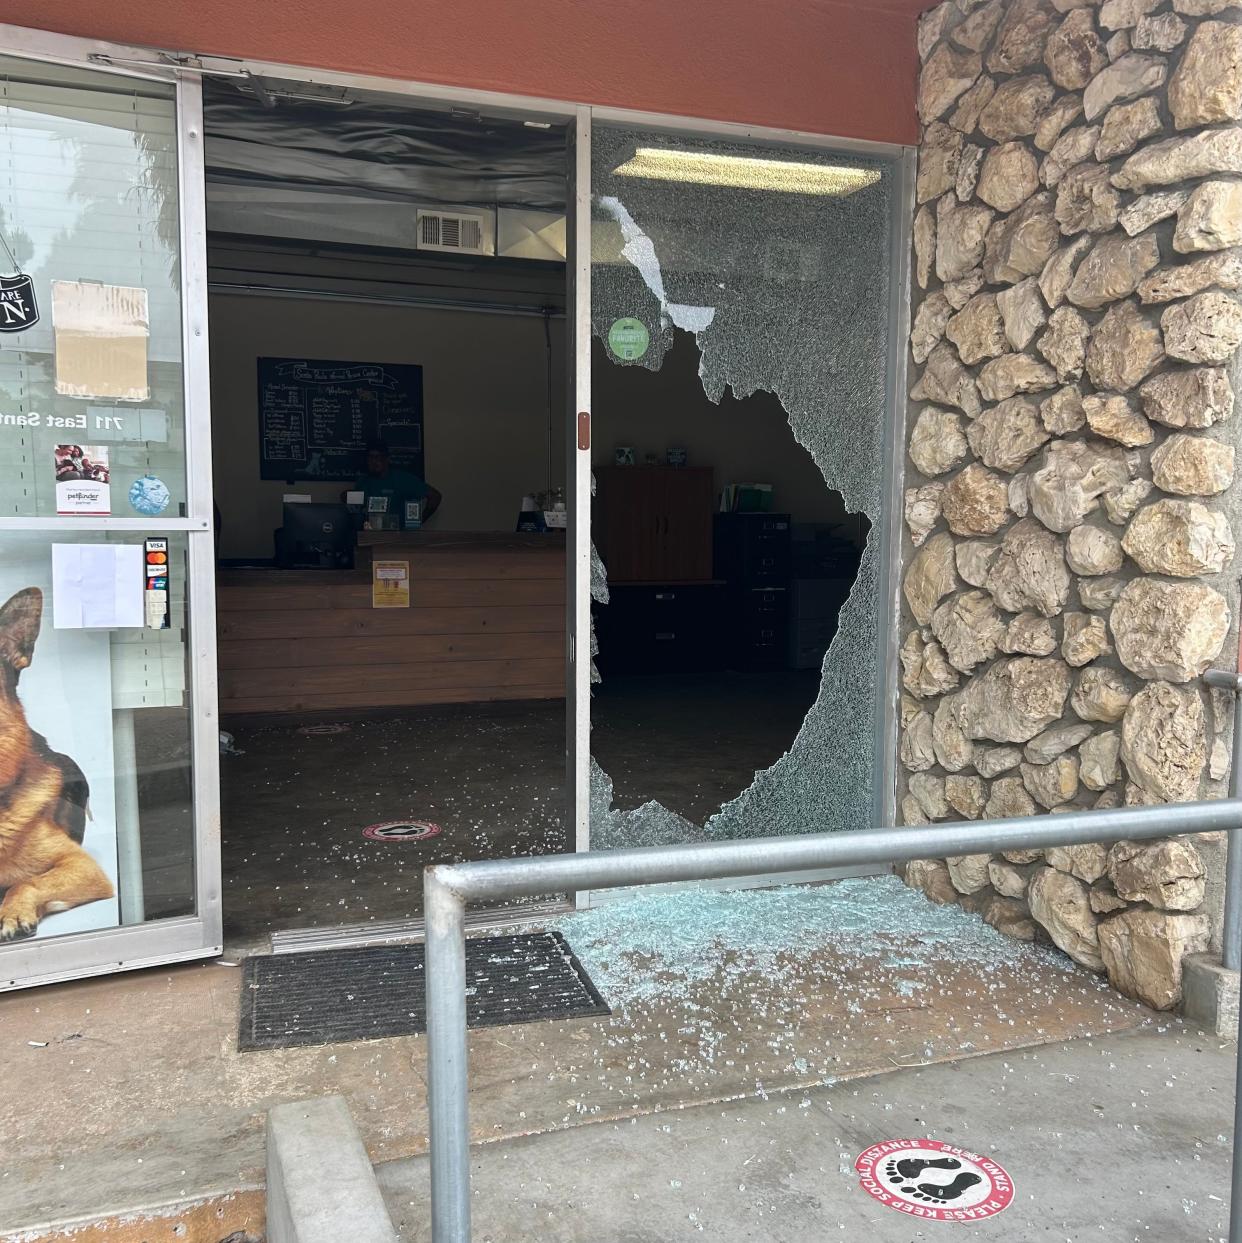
{"type": "Point", "coordinates": [296, 801]}
{"type": "Point", "coordinates": [693, 742]}
{"type": "Point", "coordinates": [492, 776]}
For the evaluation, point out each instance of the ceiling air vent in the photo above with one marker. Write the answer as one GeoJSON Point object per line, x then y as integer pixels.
{"type": "Point", "coordinates": [439, 230]}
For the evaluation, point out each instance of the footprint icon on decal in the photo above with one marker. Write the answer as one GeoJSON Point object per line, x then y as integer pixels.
{"type": "Point", "coordinates": [934, 1194]}
{"type": "Point", "coordinates": [908, 1169]}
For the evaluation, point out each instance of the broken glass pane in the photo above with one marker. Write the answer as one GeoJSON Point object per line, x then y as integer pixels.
{"type": "Point", "coordinates": [777, 261]}
{"type": "Point", "coordinates": [599, 593]}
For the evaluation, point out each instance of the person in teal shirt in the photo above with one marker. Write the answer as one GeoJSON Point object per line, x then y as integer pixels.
{"type": "Point", "coordinates": [399, 486]}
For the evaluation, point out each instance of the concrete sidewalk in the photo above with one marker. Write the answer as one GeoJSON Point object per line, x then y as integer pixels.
{"type": "Point", "coordinates": [716, 997]}
{"type": "Point", "coordinates": [1113, 1140]}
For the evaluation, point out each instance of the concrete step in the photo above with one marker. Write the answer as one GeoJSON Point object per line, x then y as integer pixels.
{"type": "Point", "coordinates": [321, 1187]}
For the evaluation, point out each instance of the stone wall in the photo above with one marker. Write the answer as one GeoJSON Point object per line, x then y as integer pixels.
{"type": "Point", "coordinates": [1078, 248]}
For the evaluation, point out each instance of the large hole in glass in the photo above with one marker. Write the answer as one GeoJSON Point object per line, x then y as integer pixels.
{"type": "Point", "coordinates": [705, 684]}
{"type": "Point", "coordinates": [775, 263]}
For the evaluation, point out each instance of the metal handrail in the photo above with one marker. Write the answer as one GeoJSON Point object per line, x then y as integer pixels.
{"type": "Point", "coordinates": [448, 887]}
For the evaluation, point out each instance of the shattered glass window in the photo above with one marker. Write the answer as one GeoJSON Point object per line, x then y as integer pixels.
{"type": "Point", "coordinates": [776, 260]}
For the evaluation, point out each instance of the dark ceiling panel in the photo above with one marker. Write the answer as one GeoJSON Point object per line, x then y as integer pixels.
{"type": "Point", "coordinates": [380, 147]}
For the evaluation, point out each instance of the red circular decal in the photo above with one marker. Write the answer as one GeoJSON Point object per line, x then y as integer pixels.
{"type": "Point", "coordinates": [401, 831]}
{"type": "Point", "coordinates": [934, 1181]}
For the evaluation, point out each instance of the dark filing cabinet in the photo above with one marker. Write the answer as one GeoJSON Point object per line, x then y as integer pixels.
{"type": "Point", "coordinates": [753, 556]}
{"type": "Point", "coordinates": [815, 605]}
{"type": "Point", "coordinates": [825, 567]}
{"type": "Point", "coordinates": [662, 628]}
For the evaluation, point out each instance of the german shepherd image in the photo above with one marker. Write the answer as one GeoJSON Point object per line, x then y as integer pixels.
{"type": "Point", "coordinates": [44, 798]}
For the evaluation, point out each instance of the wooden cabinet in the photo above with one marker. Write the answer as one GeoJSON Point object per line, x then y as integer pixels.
{"type": "Point", "coordinates": [653, 524]}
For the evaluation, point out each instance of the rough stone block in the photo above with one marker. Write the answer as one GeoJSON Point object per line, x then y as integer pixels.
{"type": "Point", "coordinates": [1210, 995]}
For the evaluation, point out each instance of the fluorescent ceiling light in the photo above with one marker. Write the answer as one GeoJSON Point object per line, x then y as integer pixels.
{"type": "Point", "coordinates": [705, 168]}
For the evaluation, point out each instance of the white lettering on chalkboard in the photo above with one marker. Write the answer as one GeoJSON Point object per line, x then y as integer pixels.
{"type": "Point", "coordinates": [316, 417]}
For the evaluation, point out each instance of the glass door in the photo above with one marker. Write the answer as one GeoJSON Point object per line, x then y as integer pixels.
{"type": "Point", "coordinates": [109, 822]}
{"type": "Point", "coordinates": [742, 386]}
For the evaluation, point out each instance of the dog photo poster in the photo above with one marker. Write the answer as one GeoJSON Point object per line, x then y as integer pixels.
{"type": "Point", "coordinates": [58, 833]}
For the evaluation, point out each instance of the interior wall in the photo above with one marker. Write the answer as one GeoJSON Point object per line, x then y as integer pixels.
{"type": "Point", "coordinates": [744, 441]}
{"type": "Point", "coordinates": [844, 67]}
{"type": "Point", "coordinates": [484, 395]}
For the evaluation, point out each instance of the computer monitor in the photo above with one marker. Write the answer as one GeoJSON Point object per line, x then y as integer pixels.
{"type": "Point", "coordinates": [318, 537]}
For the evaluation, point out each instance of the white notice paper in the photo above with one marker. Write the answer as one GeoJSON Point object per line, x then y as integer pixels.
{"type": "Point", "coordinates": [96, 586]}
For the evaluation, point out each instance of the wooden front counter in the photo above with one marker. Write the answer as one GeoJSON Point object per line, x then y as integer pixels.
{"type": "Point", "coordinates": [486, 621]}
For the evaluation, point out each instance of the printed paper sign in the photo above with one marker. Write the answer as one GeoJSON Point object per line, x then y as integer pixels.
{"type": "Point", "coordinates": [96, 586]}
{"type": "Point", "coordinates": [934, 1181]}
{"type": "Point", "coordinates": [101, 340]}
{"type": "Point", "coordinates": [390, 585]}
{"type": "Point", "coordinates": [82, 480]}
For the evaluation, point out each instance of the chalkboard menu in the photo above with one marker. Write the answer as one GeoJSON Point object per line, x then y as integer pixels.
{"type": "Point", "coordinates": [316, 417]}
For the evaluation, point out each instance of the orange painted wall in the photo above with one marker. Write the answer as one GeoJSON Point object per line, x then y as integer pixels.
{"type": "Point", "coordinates": [842, 67]}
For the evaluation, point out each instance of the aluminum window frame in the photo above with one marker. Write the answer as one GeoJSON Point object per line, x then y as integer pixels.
{"type": "Point", "coordinates": [187, 70]}
{"type": "Point", "coordinates": [182, 938]}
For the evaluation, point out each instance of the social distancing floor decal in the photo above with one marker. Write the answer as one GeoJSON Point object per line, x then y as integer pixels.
{"type": "Point", "coordinates": [934, 1181]}
{"type": "Point", "coordinates": [401, 831]}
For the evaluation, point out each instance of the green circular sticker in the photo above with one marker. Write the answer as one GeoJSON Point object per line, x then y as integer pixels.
{"type": "Point", "coordinates": [628, 338]}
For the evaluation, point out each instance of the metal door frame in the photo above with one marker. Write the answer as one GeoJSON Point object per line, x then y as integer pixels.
{"type": "Point", "coordinates": [125, 947]}
{"type": "Point", "coordinates": [201, 936]}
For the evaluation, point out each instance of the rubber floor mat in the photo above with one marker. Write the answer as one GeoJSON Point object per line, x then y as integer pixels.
{"type": "Point", "coordinates": [330, 996]}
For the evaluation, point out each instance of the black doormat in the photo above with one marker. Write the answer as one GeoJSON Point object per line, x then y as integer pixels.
{"type": "Point", "coordinates": [330, 996]}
